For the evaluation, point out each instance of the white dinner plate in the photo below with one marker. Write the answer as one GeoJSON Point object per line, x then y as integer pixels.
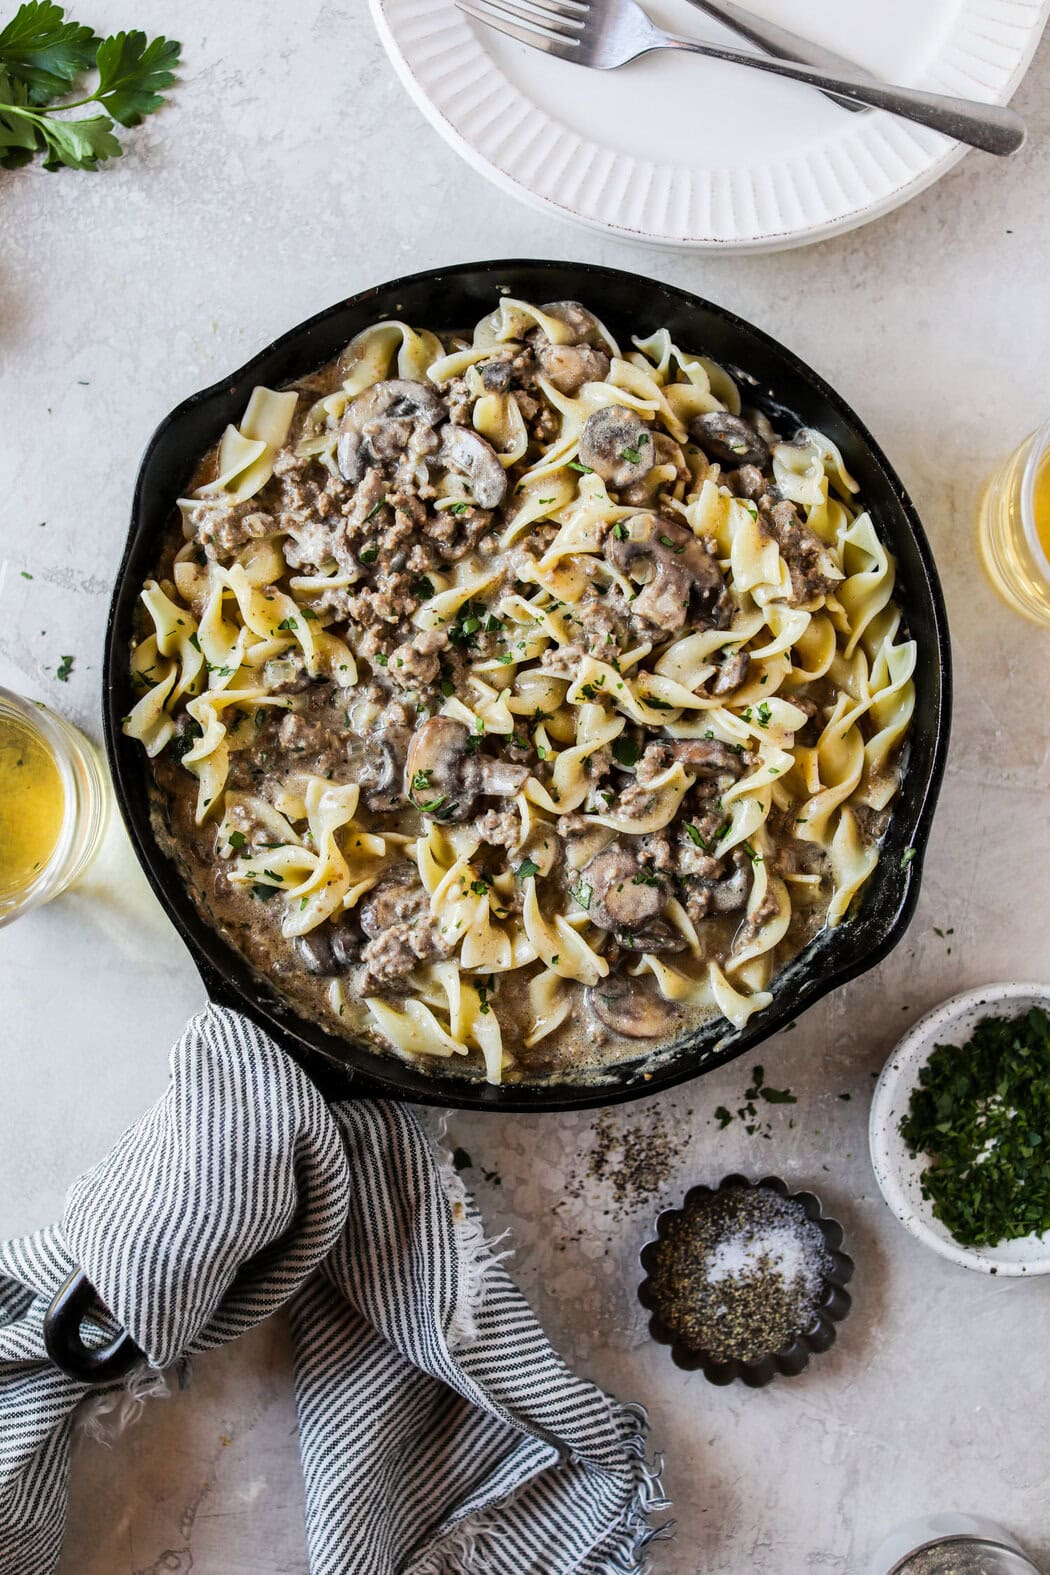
{"type": "Point", "coordinates": [899, 1173]}
{"type": "Point", "coordinates": [681, 151]}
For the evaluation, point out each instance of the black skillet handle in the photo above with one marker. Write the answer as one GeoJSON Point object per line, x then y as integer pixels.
{"type": "Point", "coordinates": [64, 1342]}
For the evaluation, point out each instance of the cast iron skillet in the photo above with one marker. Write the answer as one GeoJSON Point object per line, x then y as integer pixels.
{"type": "Point", "coordinates": [771, 378]}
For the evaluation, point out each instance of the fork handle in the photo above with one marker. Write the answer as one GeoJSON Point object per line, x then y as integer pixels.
{"type": "Point", "coordinates": [992, 127]}
{"type": "Point", "coordinates": [780, 41]}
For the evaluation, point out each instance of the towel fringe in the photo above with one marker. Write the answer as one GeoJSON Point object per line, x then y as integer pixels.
{"type": "Point", "coordinates": [103, 1417]}
{"type": "Point", "coordinates": [477, 1255]}
{"type": "Point", "coordinates": [472, 1543]}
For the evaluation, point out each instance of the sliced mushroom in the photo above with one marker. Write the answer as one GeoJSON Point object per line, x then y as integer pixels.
{"type": "Point", "coordinates": [568, 367]}
{"type": "Point", "coordinates": [497, 375]}
{"type": "Point", "coordinates": [399, 898]}
{"type": "Point", "coordinates": [617, 445]}
{"type": "Point", "coordinates": [583, 325]}
{"type": "Point", "coordinates": [730, 440]}
{"type": "Point", "coordinates": [707, 756]}
{"type": "Point", "coordinates": [729, 895]}
{"type": "Point", "coordinates": [682, 574]}
{"type": "Point", "coordinates": [466, 452]}
{"type": "Point", "coordinates": [624, 896]}
{"type": "Point", "coordinates": [627, 1008]}
{"type": "Point", "coordinates": [378, 423]}
{"type": "Point", "coordinates": [383, 769]}
{"type": "Point", "coordinates": [443, 776]}
{"type": "Point", "coordinates": [329, 949]}
{"type": "Point", "coordinates": [731, 673]}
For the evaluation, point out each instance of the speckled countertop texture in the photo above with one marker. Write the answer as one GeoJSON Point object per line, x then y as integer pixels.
{"type": "Point", "coordinates": [289, 171]}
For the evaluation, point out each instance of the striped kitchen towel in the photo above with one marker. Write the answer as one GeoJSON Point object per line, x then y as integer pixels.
{"type": "Point", "coordinates": [439, 1431]}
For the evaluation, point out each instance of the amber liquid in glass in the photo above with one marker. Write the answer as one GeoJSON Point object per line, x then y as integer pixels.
{"type": "Point", "coordinates": [1014, 530]}
{"type": "Point", "coordinates": [32, 804]}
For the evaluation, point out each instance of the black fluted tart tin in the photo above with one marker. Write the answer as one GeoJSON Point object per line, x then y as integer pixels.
{"type": "Point", "coordinates": [829, 1308]}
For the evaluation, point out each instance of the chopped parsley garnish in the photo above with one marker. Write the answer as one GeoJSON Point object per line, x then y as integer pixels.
{"type": "Point", "coordinates": [584, 470]}
{"type": "Point", "coordinates": [381, 658]}
{"type": "Point", "coordinates": [582, 894]}
{"type": "Point", "coordinates": [480, 887]}
{"type": "Point", "coordinates": [631, 455]}
{"type": "Point", "coordinates": [264, 893]}
{"type": "Point", "coordinates": [764, 714]}
{"type": "Point", "coordinates": [64, 668]}
{"type": "Point", "coordinates": [288, 625]}
{"type": "Point", "coordinates": [421, 781]}
{"type": "Point", "coordinates": [237, 839]}
{"type": "Point", "coordinates": [447, 687]}
{"type": "Point", "coordinates": [309, 614]}
{"type": "Point", "coordinates": [434, 805]}
{"type": "Point", "coordinates": [544, 501]}
{"type": "Point", "coordinates": [906, 856]}
{"type": "Point", "coordinates": [625, 751]}
{"type": "Point", "coordinates": [620, 531]}
{"type": "Point", "coordinates": [756, 858]}
{"type": "Point", "coordinates": [368, 554]}
{"type": "Point", "coordinates": [184, 741]}
{"type": "Point", "coordinates": [464, 630]}
{"type": "Point", "coordinates": [423, 588]}
{"type": "Point", "coordinates": [459, 508]}
{"type": "Point", "coordinates": [645, 878]}
{"type": "Point", "coordinates": [373, 511]}
{"type": "Point", "coordinates": [981, 1112]}
{"type": "Point", "coordinates": [526, 868]}
{"type": "Point", "coordinates": [694, 835]}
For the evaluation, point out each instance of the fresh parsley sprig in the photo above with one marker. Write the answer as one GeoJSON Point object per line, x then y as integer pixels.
{"type": "Point", "coordinates": [42, 55]}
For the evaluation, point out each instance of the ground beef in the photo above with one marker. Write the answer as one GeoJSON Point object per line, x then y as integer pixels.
{"type": "Point", "coordinates": [417, 663]}
{"type": "Point", "coordinates": [223, 531]}
{"type": "Point", "coordinates": [402, 932]}
{"type": "Point", "coordinates": [812, 572]}
{"type": "Point", "coordinates": [499, 828]}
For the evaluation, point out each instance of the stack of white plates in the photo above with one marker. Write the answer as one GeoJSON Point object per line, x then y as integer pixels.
{"type": "Point", "coordinates": [681, 151]}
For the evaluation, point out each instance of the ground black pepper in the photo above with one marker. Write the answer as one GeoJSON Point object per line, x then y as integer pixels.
{"type": "Point", "coordinates": [738, 1274]}
{"type": "Point", "coordinates": [634, 1162]}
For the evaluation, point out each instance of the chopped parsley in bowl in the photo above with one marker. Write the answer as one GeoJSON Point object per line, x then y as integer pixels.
{"type": "Point", "coordinates": [960, 1129]}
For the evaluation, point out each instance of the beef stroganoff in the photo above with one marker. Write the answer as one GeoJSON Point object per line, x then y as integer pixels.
{"type": "Point", "coordinates": [519, 700]}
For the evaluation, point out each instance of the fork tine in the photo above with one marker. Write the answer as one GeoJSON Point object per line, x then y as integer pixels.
{"type": "Point", "coordinates": [570, 9]}
{"type": "Point", "coordinates": [550, 12]}
{"type": "Point", "coordinates": [549, 43]}
{"type": "Point", "coordinates": [534, 13]}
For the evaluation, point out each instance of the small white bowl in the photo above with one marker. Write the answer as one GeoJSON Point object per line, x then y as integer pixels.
{"type": "Point", "coordinates": [898, 1172]}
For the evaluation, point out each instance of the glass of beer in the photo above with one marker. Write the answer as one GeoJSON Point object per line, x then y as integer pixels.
{"type": "Point", "coordinates": [54, 801]}
{"type": "Point", "coordinates": [1014, 528]}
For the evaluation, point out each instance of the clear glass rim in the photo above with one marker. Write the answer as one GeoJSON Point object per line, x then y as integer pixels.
{"type": "Point", "coordinates": [1037, 452]}
{"type": "Point", "coordinates": [49, 879]}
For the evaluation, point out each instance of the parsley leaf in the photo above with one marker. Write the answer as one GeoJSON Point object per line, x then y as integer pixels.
{"type": "Point", "coordinates": [131, 74]}
{"type": "Point", "coordinates": [65, 667]}
{"type": "Point", "coordinates": [39, 48]}
{"type": "Point", "coordinates": [625, 751]}
{"type": "Point", "coordinates": [526, 868]}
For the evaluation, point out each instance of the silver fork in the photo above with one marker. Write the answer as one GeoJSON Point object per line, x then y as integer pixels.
{"type": "Point", "coordinates": [606, 35]}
